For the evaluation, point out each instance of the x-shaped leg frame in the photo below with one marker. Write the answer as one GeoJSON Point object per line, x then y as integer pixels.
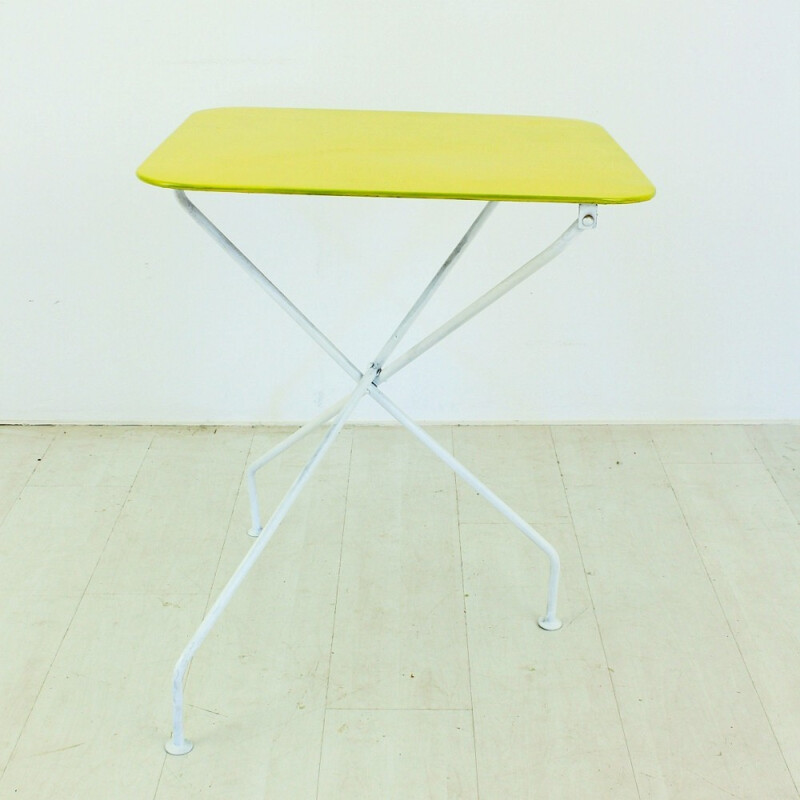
{"type": "Point", "coordinates": [368, 382]}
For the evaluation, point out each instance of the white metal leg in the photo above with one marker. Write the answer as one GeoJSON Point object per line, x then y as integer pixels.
{"type": "Point", "coordinates": [434, 284]}
{"type": "Point", "coordinates": [367, 383]}
{"type": "Point", "coordinates": [178, 744]}
{"type": "Point", "coordinates": [549, 621]}
{"type": "Point", "coordinates": [268, 286]}
{"type": "Point", "coordinates": [300, 433]}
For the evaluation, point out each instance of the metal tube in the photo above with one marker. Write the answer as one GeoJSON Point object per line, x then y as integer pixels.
{"type": "Point", "coordinates": [298, 435]}
{"type": "Point", "coordinates": [178, 745]}
{"type": "Point", "coordinates": [434, 284]}
{"type": "Point", "coordinates": [549, 621]}
{"type": "Point", "coordinates": [505, 286]}
{"type": "Point", "coordinates": [268, 286]}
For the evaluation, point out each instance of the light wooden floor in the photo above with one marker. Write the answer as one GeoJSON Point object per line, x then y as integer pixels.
{"type": "Point", "coordinates": [386, 645]}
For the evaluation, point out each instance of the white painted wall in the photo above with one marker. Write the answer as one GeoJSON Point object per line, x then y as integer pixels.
{"type": "Point", "coordinates": [115, 307]}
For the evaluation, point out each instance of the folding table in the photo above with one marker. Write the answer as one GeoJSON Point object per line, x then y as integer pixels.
{"type": "Point", "coordinates": [386, 154]}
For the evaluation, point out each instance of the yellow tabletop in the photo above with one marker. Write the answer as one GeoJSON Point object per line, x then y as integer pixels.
{"type": "Point", "coordinates": [396, 154]}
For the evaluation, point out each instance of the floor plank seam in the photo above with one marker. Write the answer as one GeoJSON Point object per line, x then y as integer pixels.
{"type": "Point", "coordinates": [333, 616]}
{"type": "Point", "coordinates": [27, 483]}
{"type": "Point", "coordinates": [728, 624]}
{"type": "Point", "coordinates": [596, 618]}
{"type": "Point", "coordinates": [228, 529]}
{"type": "Point", "coordinates": [775, 480]}
{"type": "Point", "coordinates": [466, 619]}
{"type": "Point", "coordinates": [68, 626]}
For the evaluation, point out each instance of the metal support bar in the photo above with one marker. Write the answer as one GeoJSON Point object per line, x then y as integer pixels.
{"type": "Point", "coordinates": [298, 435]}
{"type": "Point", "coordinates": [268, 286]}
{"type": "Point", "coordinates": [505, 286]}
{"type": "Point", "coordinates": [436, 281]}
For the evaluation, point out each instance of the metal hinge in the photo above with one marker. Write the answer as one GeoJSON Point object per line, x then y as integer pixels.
{"type": "Point", "coordinates": [587, 215]}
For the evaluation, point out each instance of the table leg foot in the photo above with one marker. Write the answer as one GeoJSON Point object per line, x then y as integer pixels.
{"type": "Point", "coordinates": [254, 532]}
{"type": "Point", "coordinates": [549, 624]}
{"type": "Point", "coordinates": [178, 749]}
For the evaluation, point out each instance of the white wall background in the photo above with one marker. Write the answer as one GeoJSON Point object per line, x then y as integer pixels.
{"type": "Point", "coordinates": [115, 307]}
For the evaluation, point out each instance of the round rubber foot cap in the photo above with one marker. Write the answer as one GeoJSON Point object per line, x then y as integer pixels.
{"type": "Point", "coordinates": [178, 749]}
{"type": "Point", "coordinates": [549, 624]}
{"type": "Point", "coordinates": [254, 532]}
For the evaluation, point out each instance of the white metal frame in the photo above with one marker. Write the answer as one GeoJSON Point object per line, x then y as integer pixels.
{"type": "Point", "coordinates": [368, 382]}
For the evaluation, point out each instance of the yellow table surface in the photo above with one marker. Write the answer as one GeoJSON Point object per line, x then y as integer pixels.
{"type": "Point", "coordinates": [396, 154]}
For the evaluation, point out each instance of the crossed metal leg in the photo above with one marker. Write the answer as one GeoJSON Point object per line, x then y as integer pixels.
{"type": "Point", "coordinates": [368, 382]}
